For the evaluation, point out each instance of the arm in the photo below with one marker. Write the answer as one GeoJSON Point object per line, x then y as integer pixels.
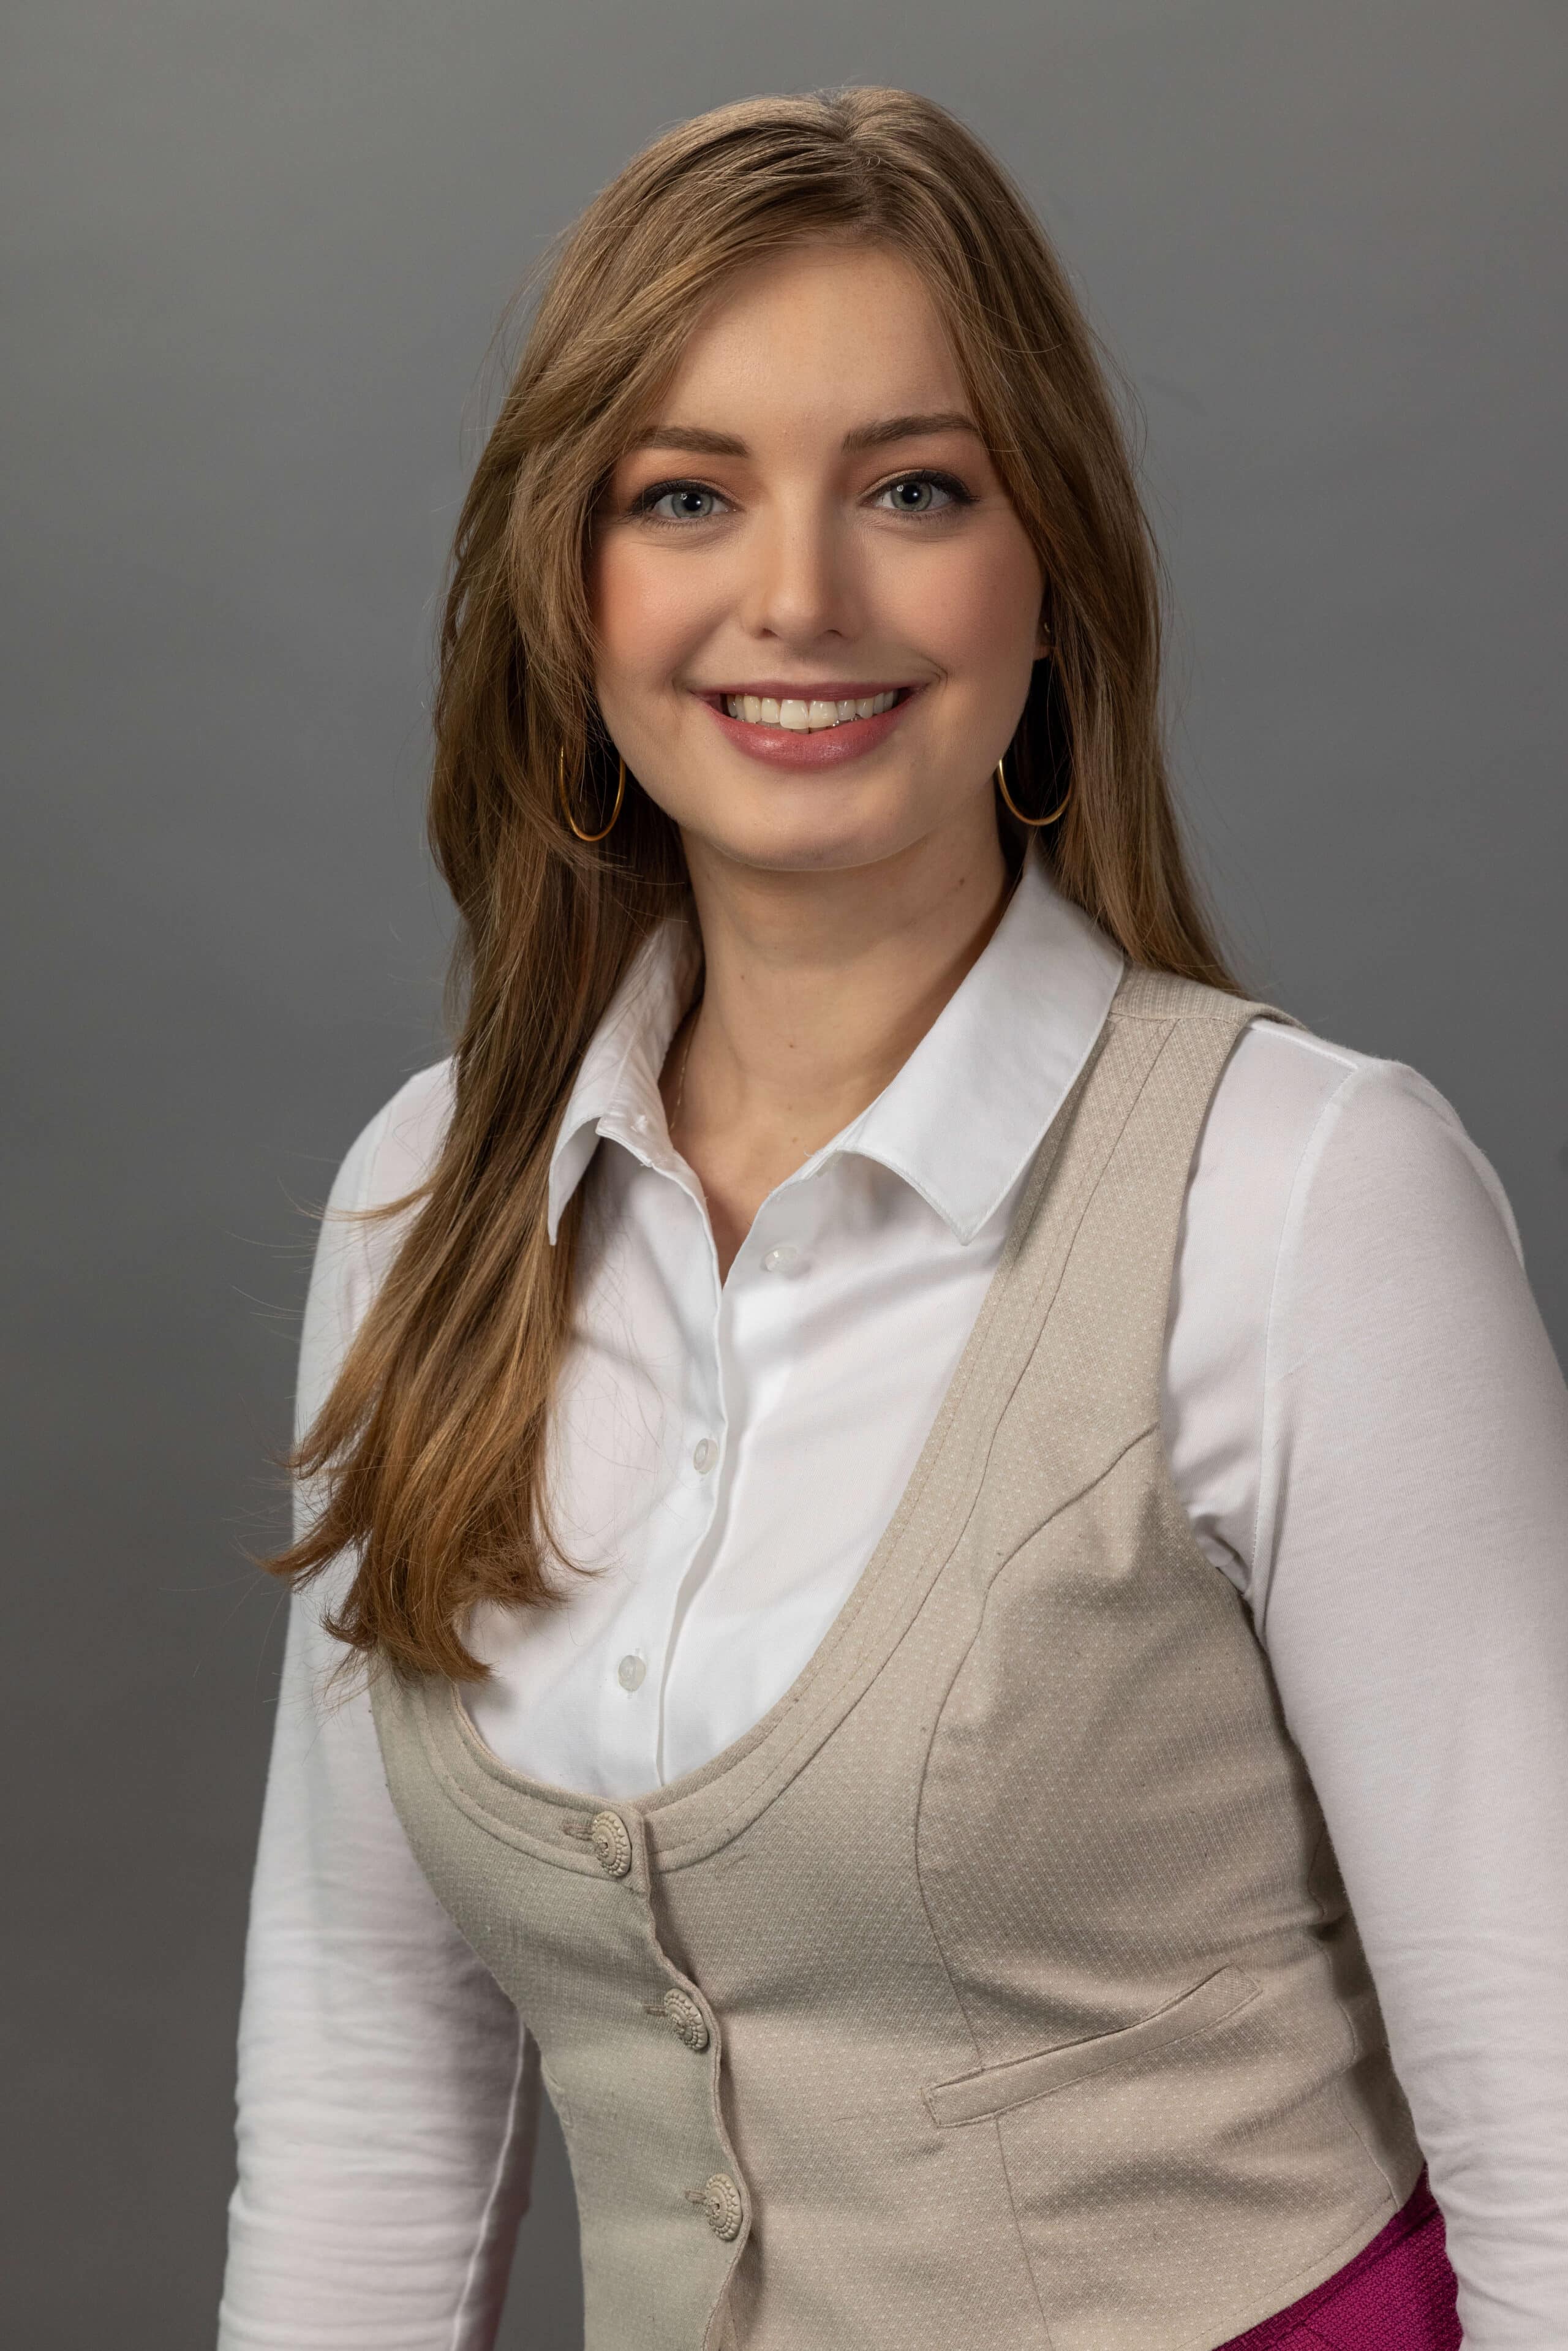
{"type": "Point", "coordinates": [387, 2092]}
{"type": "Point", "coordinates": [1401, 1536]}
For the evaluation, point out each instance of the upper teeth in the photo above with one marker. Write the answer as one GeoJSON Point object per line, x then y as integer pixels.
{"type": "Point", "coordinates": [760, 710]}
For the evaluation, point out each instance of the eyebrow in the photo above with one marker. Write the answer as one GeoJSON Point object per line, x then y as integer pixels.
{"type": "Point", "coordinates": [909, 428]}
{"type": "Point", "coordinates": [700, 443]}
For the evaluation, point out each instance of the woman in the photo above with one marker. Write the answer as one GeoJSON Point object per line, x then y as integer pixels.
{"type": "Point", "coordinates": [924, 1487]}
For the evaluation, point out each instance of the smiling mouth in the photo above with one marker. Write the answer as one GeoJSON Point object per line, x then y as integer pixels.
{"type": "Point", "coordinates": [802, 716]}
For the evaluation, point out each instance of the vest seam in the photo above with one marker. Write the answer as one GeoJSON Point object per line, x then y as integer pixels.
{"type": "Point", "coordinates": [1071, 1503]}
{"type": "Point", "coordinates": [495, 1823]}
{"type": "Point", "coordinates": [937, 1944]}
{"type": "Point", "coordinates": [1197, 1560]}
{"type": "Point", "coordinates": [1171, 1012]}
{"type": "Point", "coordinates": [996, 2121]}
{"type": "Point", "coordinates": [1356, 2048]}
{"type": "Point", "coordinates": [1390, 2198]}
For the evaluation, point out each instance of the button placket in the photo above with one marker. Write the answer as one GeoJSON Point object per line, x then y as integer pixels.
{"type": "Point", "coordinates": [623, 1849]}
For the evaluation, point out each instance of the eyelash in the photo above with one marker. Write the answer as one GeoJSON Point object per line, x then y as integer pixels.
{"type": "Point", "coordinates": [643, 505]}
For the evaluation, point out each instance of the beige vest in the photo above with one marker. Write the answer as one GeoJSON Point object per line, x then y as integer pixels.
{"type": "Point", "coordinates": [999, 1988]}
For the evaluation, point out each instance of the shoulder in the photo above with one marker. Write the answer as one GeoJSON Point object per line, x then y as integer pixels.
{"type": "Point", "coordinates": [1298, 1123]}
{"type": "Point", "coordinates": [1340, 1226]}
{"type": "Point", "coordinates": [1335, 1206]}
{"type": "Point", "coordinates": [1293, 1114]}
{"type": "Point", "coordinates": [395, 1153]}
{"type": "Point", "coordinates": [389, 1160]}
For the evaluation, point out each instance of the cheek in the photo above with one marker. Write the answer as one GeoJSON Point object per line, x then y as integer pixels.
{"type": "Point", "coordinates": [646, 617]}
{"type": "Point", "coordinates": [975, 609]}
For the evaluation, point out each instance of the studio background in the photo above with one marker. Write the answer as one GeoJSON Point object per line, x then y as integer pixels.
{"type": "Point", "coordinates": [253, 252]}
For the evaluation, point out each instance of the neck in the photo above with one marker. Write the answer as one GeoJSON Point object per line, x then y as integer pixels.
{"type": "Point", "coordinates": [817, 989]}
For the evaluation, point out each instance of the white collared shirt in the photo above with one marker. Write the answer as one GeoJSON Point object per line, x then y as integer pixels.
{"type": "Point", "coordinates": [727, 1453]}
{"type": "Point", "coordinates": [1362, 1416]}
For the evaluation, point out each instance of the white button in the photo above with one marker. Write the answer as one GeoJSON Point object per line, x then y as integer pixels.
{"type": "Point", "coordinates": [777, 1259]}
{"type": "Point", "coordinates": [704, 1456]}
{"type": "Point", "coordinates": [628, 1673]}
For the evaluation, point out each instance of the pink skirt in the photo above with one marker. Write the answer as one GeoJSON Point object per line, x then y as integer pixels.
{"type": "Point", "coordinates": [1397, 2294]}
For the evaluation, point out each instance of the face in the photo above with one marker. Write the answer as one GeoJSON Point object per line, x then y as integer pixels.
{"type": "Point", "coordinates": [816, 611]}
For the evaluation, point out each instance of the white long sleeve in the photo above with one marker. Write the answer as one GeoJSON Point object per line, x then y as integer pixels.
{"type": "Point", "coordinates": [1408, 1560]}
{"type": "Point", "coordinates": [1369, 1431]}
{"type": "Point", "coordinates": [387, 2095]}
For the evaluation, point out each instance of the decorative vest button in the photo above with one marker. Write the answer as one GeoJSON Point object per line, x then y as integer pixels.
{"type": "Point", "coordinates": [611, 1844]}
{"type": "Point", "coordinates": [687, 2021]}
{"type": "Point", "coordinates": [720, 2201]}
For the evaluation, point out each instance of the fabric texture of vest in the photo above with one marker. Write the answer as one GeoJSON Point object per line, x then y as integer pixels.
{"type": "Point", "coordinates": [999, 1988]}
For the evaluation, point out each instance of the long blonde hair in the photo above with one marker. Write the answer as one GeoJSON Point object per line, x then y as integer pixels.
{"type": "Point", "coordinates": [430, 1449]}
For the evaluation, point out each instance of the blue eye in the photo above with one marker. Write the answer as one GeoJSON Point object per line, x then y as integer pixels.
{"type": "Point", "coordinates": [918, 494]}
{"type": "Point", "coordinates": [680, 502]}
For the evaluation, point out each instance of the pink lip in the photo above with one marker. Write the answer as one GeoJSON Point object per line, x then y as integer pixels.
{"type": "Point", "coordinates": [781, 747]}
{"type": "Point", "coordinates": [827, 689]}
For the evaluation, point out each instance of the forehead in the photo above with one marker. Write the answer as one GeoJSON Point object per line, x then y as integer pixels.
{"type": "Point", "coordinates": [821, 334]}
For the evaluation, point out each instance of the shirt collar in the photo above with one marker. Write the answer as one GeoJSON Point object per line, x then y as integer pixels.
{"type": "Point", "coordinates": [960, 1119]}
{"type": "Point", "coordinates": [616, 1089]}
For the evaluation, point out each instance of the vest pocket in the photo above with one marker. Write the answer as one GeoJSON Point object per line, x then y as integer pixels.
{"type": "Point", "coordinates": [976, 2097]}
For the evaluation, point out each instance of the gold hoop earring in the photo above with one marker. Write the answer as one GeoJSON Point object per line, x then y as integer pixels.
{"type": "Point", "coordinates": [566, 804]}
{"type": "Point", "coordinates": [1033, 823]}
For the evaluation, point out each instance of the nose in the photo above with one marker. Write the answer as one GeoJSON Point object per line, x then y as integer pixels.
{"type": "Point", "coordinates": [800, 587]}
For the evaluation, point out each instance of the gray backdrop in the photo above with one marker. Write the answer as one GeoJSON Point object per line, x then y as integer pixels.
{"type": "Point", "coordinates": [255, 250]}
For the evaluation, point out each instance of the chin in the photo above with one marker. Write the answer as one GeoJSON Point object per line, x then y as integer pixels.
{"type": "Point", "coordinates": [842, 847]}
